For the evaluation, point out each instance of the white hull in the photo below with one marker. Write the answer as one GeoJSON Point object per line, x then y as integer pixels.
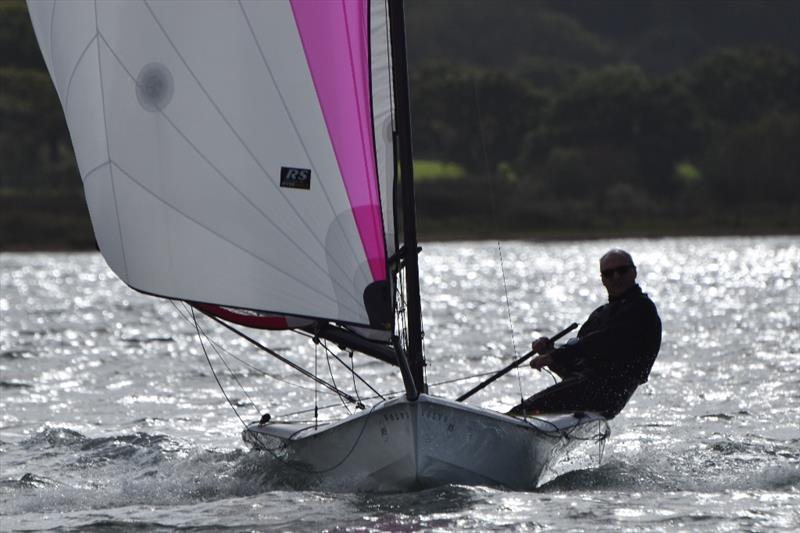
{"type": "Point", "coordinates": [401, 445]}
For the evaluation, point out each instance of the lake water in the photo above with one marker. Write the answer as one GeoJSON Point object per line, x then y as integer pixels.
{"type": "Point", "coordinates": [111, 418]}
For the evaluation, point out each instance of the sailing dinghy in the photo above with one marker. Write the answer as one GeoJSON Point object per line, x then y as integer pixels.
{"type": "Point", "coordinates": [254, 160]}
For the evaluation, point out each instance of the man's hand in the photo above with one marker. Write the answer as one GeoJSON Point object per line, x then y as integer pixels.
{"type": "Point", "coordinates": [541, 361]}
{"type": "Point", "coordinates": [544, 347]}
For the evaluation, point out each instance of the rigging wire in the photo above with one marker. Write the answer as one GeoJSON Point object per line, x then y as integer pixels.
{"type": "Point", "coordinates": [377, 394]}
{"type": "Point", "coordinates": [493, 207]}
{"type": "Point", "coordinates": [274, 452]}
{"type": "Point", "coordinates": [284, 360]}
{"type": "Point", "coordinates": [350, 369]}
{"type": "Point", "coordinates": [244, 391]}
{"type": "Point", "coordinates": [388, 395]}
{"type": "Point", "coordinates": [463, 378]}
{"type": "Point", "coordinates": [211, 366]}
{"type": "Point", "coordinates": [231, 372]}
{"type": "Point", "coordinates": [391, 394]}
{"type": "Point", "coordinates": [247, 364]}
{"type": "Point", "coordinates": [316, 406]}
{"type": "Point", "coordinates": [330, 371]}
{"type": "Point", "coordinates": [217, 348]}
{"type": "Point", "coordinates": [402, 319]}
{"type": "Point", "coordinates": [353, 373]}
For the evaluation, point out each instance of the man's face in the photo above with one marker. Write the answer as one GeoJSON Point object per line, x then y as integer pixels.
{"type": "Point", "coordinates": [618, 274]}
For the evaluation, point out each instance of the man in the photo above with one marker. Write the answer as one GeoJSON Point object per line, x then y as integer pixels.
{"type": "Point", "coordinates": [612, 355]}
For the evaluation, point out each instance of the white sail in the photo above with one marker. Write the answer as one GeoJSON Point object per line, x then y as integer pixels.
{"type": "Point", "coordinates": [236, 153]}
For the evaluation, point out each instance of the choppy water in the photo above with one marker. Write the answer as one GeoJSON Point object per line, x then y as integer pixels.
{"type": "Point", "coordinates": [112, 419]}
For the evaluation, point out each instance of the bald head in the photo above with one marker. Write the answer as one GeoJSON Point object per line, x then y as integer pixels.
{"type": "Point", "coordinates": [618, 271]}
{"type": "Point", "coordinates": [616, 252]}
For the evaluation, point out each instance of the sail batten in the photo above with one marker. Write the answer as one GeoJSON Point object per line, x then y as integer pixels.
{"type": "Point", "coordinates": [217, 166]}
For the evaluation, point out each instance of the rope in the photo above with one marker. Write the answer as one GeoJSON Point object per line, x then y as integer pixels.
{"type": "Point", "coordinates": [492, 203]}
{"type": "Point", "coordinates": [601, 442]}
{"type": "Point", "coordinates": [284, 360]}
{"type": "Point", "coordinates": [221, 388]}
{"type": "Point", "coordinates": [233, 375]}
{"type": "Point", "coordinates": [316, 408]}
{"type": "Point", "coordinates": [217, 347]}
{"type": "Point", "coordinates": [464, 378]}
{"type": "Point", "coordinates": [350, 369]}
{"type": "Point", "coordinates": [294, 466]}
{"type": "Point", "coordinates": [386, 396]}
{"type": "Point", "coordinates": [568, 434]}
{"type": "Point", "coordinates": [353, 373]}
{"type": "Point", "coordinates": [330, 372]}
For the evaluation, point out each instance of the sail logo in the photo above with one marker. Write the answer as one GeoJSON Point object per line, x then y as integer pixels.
{"type": "Point", "coordinates": [296, 178]}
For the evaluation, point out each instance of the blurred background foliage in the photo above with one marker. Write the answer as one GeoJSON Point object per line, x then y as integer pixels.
{"type": "Point", "coordinates": [541, 118]}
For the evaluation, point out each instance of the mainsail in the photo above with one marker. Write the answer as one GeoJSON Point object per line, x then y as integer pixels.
{"type": "Point", "coordinates": [236, 154]}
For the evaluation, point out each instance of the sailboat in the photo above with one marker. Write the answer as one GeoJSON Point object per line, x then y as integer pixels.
{"type": "Point", "coordinates": [254, 160]}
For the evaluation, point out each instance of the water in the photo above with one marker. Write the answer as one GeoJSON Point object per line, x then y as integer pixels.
{"type": "Point", "coordinates": [111, 418]}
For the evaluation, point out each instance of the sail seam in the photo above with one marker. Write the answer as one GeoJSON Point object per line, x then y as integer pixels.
{"type": "Point", "coordinates": [295, 128]}
{"type": "Point", "coordinates": [383, 225]}
{"type": "Point", "coordinates": [324, 83]}
{"type": "Point", "coordinates": [108, 144]}
{"type": "Point", "coordinates": [365, 149]}
{"type": "Point", "coordinates": [241, 194]}
{"type": "Point", "coordinates": [257, 162]}
{"type": "Point", "coordinates": [215, 233]}
{"type": "Point", "coordinates": [95, 169]}
{"type": "Point", "coordinates": [389, 66]}
{"type": "Point", "coordinates": [74, 70]}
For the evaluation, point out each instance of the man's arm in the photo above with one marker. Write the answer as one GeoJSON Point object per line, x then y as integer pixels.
{"type": "Point", "coordinates": [617, 347]}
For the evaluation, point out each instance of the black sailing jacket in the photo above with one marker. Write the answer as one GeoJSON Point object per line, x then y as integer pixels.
{"type": "Point", "coordinates": [619, 342]}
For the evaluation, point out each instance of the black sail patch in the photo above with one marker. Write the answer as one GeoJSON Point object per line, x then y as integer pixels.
{"type": "Point", "coordinates": [296, 178]}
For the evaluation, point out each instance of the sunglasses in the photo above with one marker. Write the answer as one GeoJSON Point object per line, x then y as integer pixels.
{"type": "Point", "coordinates": [621, 270]}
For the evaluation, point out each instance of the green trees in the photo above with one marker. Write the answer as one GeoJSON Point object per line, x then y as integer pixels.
{"type": "Point", "coordinates": [626, 128]}
{"type": "Point", "coordinates": [41, 199]}
{"type": "Point", "coordinates": [749, 101]}
{"type": "Point", "coordinates": [614, 143]}
{"type": "Point", "coordinates": [35, 149]}
{"type": "Point", "coordinates": [735, 86]}
{"type": "Point", "coordinates": [467, 109]}
{"type": "Point", "coordinates": [575, 116]}
{"type": "Point", "coordinates": [756, 164]}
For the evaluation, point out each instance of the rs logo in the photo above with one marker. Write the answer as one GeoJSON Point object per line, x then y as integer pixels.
{"type": "Point", "coordinates": [296, 174]}
{"type": "Point", "coordinates": [295, 178]}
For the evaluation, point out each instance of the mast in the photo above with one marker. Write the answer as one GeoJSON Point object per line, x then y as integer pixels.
{"type": "Point", "coordinates": [405, 156]}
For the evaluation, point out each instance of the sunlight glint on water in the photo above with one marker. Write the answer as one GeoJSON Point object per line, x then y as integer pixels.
{"type": "Point", "coordinates": [110, 414]}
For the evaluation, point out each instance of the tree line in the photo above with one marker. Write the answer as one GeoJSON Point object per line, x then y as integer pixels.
{"type": "Point", "coordinates": [717, 138]}
{"type": "Point", "coordinates": [569, 134]}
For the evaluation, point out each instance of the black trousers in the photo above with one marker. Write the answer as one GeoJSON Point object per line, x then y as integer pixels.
{"type": "Point", "coordinates": [578, 392]}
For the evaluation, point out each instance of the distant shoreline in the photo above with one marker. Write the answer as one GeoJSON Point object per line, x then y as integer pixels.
{"type": "Point", "coordinates": [596, 236]}
{"type": "Point", "coordinates": [450, 236]}
{"type": "Point", "coordinates": [59, 221]}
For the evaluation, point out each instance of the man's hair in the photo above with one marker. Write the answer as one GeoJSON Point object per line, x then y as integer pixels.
{"type": "Point", "coordinates": [617, 251]}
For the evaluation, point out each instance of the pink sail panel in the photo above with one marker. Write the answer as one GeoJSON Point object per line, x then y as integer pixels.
{"type": "Point", "coordinates": [335, 36]}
